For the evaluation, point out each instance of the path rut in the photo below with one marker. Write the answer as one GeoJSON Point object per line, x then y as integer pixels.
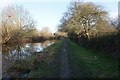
{"type": "Point", "coordinates": [64, 73]}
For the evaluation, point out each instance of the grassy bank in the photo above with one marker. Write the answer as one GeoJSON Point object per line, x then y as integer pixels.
{"type": "Point", "coordinates": [86, 63]}
{"type": "Point", "coordinates": [41, 65]}
{"type": "Point", "coordinates": [50, 66]}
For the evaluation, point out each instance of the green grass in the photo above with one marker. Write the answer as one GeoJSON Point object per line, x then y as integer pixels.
{"type": "Point", "coordinates": [87, 63]}
{"type": "Point", "coordinates": [50, 66]}
{"type": "Point", "coordinates": [83, 63]}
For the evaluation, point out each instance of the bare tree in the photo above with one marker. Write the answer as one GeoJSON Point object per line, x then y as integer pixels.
{"type": "Point", "coordinates": [45, 32]}
{"type": "Point", "coordinates": [16, 22]}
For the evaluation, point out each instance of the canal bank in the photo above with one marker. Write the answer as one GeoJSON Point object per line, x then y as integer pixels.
{"type": "Point", "coordinates": [24, 58]}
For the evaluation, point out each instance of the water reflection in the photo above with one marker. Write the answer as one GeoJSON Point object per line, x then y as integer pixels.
{"type": "Point", "coordinates": [22, 51]}
{"type": "Point", "coordinates": [11, 53]}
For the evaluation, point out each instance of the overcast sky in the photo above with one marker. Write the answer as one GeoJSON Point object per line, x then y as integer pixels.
{"type": "Point", "coordinates": [49, 12]}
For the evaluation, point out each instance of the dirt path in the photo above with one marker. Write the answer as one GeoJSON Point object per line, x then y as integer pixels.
{"type": "Point", "coordinates": [64, 73]}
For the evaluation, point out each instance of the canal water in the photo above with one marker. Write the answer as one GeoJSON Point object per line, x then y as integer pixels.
{"type": "Point", "coordinates": [11, 53]}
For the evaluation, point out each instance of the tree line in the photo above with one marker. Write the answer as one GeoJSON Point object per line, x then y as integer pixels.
{"type": "Point", "coordinates": [90, 26]}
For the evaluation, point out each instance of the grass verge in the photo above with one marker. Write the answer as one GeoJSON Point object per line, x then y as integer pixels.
{"type": "Point", "coordinates": [85, 63]}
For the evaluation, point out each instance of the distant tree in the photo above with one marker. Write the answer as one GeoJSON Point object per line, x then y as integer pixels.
{"type": "Point", "coordinates": [16, 22]}
{"type": "Point", "coordinates": [45, 32]}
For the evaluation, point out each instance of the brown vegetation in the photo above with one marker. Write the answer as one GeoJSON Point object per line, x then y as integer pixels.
{"type": "Point", "coordinates": [17, 25]}
{"type": "Point", "coordinates": [16, 22]}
